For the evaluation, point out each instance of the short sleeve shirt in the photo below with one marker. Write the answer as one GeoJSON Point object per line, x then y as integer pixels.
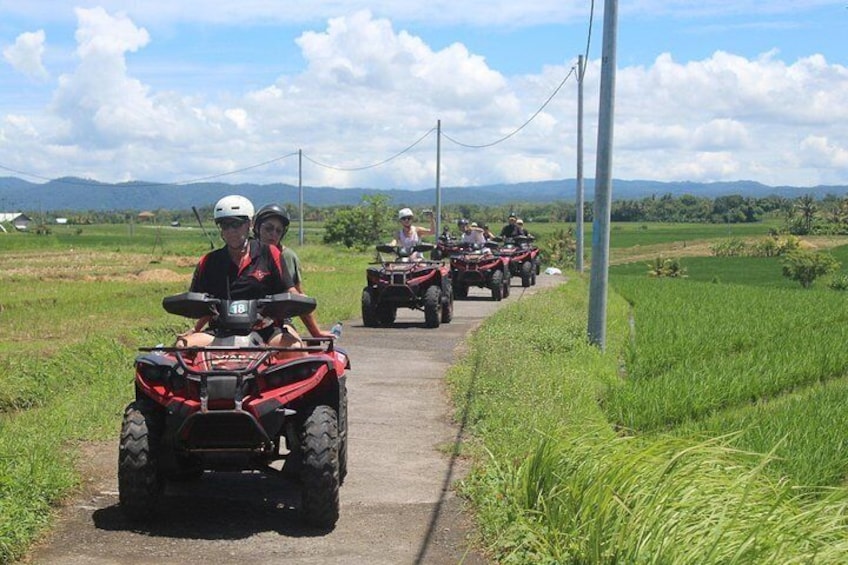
{"type": "Point", "coordinates": [292, 265]}
{"type": "Point", "coordinates": [260, 274]}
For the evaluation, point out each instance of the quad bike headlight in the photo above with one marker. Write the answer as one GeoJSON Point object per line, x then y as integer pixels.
{"type": "Point", "coordinates": [155, 368]}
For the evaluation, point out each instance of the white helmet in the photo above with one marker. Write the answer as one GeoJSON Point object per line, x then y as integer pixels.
{"type": "Point", "coordinates": [404, 212]}
{"type": "Point", "coordinates": [233, 206]}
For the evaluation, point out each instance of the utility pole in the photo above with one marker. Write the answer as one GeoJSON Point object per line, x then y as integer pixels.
{"type": "Point", "coordinates": [438, 179]}
{"type": "Point", "coordinates": [579, 204]}
{"type": "Point", "coordinates": [603, 182]}
{"type": "Point", "coordinates": [300, 195]}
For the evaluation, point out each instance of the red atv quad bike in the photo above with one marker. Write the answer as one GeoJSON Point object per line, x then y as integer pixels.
{"type": "Point", "coordinates": [524, 259]}
{"type": "Point", "coordinates": [407, 281]}
{"type": "Point", "coordinates": [473, 265]}
{"type": "Point", "coordinates": [235, 405]}
{"type": "Point", "coordinates": [446, 246]}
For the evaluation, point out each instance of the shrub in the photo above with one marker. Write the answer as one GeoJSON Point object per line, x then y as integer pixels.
{"type": "Point", "coordinates": [806, 266]}
{"type": "Point", "coordinates": [666, 267]}
{"type": "Point", "coordinates": [728, 248]}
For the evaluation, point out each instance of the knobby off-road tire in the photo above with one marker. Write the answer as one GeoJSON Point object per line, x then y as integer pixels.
{"type": "Point", "coordinates": [139, 478]}
{"type": "Point", "coordinates": [496, 285]}
{"type": "Point", "coordinates": [319, 473]}
{"type": "Point", "coordinates": [526, 273]}
{"type": "Point", "coordinates": [506, 284]}
{"type": "Point", "coordinates": [369, 310]}
{"type": "Point", "coordinates": [447, 302]}
{"type": "Point", "coordinates": [432, 299]}
{"type": "Point", "coordinates": [344, 432]}
{"type": "Point", "coordinates": [538, 262]}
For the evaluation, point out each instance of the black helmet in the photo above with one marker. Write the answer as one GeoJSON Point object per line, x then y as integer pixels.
{"type": "Point", "coordinates": [269, 211]}
{"type": "Point", "coordinates": [461, 222]}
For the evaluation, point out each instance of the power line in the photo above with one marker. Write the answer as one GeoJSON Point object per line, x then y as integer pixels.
{"type": "Point", "coordinates": [519, 128]}
{"type": "Point", "coordinates": [588, 38]}
{"type": "Point", "coordinates": [364, 167]}
{"type": "Point", "coordinates": [327, 165]}
{"type": "Point", "coordinates": [151, 184]}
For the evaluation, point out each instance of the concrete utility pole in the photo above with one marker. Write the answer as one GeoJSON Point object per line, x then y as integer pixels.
{"type": "Point", "coordinates": [579, 204]}
{"type": "Point", "coordinates": [438, 179]}
{"type": "Point", "coordinates": [300, 195]}
{"type": "Point", "coordinates": [603, 182]}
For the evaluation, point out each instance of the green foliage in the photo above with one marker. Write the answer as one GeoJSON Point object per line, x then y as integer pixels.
{"type": "Point", "coordinates": [733, 247]}
{"type": "Point", "coordinates": [553, 484]}
{"type": "Point", "coordinates": [361, 226]}
{"type": "Point", "coordinates": [839, 283]}
{"type": "Point", "coordinates": [666, 267]}
{"type": "Point", "coordinates": [773, 245]}
{"type": "Point", "coordinates": [560, 248]}
{"type": "Point", "coordinates": [806, 266]}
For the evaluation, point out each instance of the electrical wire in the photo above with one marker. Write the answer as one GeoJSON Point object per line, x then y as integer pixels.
{"type": "Point", "coordinates": [152, 184]}
{"type": "Point", "coordinates": [588, 40]}
{"type": "Point", "coordinates": [519, 128]}
{"type": "Point", "coordinates": [335, 167]}
{"type": "Point", "coordinates": [371, 166]}
{"type": "Point", "coordinates": [542, 107]}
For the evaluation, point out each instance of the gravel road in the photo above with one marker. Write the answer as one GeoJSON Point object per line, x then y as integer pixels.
{"type": "Point", "coordinates": [397, 503]}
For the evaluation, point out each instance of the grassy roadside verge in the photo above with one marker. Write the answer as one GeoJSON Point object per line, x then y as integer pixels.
{"type": "Point", "coordinates": [552, 483]}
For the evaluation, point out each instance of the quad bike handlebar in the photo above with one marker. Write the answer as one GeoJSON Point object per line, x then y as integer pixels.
{"type": "Point", "coordinates": [238, 313]}
{"type": "Point", "coordinates": [406, 251]}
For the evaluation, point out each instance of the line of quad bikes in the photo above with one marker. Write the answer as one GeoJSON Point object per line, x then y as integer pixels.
{"type": "Point", "coordinates": [239, 405]}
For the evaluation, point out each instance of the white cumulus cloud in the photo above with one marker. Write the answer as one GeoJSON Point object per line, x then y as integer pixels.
{"type": "Point", "coordinates": [25, 55]}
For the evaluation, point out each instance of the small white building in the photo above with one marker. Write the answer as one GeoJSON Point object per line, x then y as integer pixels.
{"type": "Point", "coordinates": [62, 221]}
{"type": "Point", "coordinates": [18, 220]}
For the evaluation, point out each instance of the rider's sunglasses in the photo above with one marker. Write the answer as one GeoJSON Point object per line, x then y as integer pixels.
{"type": "Point", "coordinates": [270, 228]}
{"type": "Point", "coordinates": [231, 223]}
{"type": "Point", "coordinates": [406, 219]}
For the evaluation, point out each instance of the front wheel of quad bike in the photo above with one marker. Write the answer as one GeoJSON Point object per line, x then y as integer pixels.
{"type": "Point", "coordinates": [386, 315]}
{"type": "Point", "coordinates": [506, 285]}
{"type": "Point", "coordinates": [496, 284]}
{"type": "Point", "coordinates": [432, 300]}
{"type": "Point", "coordinates": [139, 479]}
{"type": "Point", "coordinates": [533, 278]}
{"type": "Point", "coordinates": [538, 263]}
{"type": "Point", "coordinates": [526, 273]}
{"type": "Point", "coordinates": [369, 310]}
{"type": "Point", "coordinates": [447, 302]}
{"type": "Point", "coordinates": [319, 472]}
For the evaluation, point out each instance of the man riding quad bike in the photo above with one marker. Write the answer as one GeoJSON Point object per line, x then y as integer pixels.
{"type": "Point", "coordinates": [237, 404]}
{"type": "Point", "coordinates": [475, 265]}
{"type": "Point", "coordinates": [523, 256]}
{"type": "Point", "coordinates": [406, 280]}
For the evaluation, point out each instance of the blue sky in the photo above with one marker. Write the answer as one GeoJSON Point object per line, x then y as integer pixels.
{"type": "Point", "coordinates": [175, 91]}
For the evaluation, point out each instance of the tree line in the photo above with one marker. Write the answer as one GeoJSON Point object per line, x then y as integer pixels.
{"type": "Point", "coordinates": [803, 215]}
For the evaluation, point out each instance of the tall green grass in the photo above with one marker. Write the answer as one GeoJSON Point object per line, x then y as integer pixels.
{"type": "Point", "coordinates": [699, 348]}
{"type": "Point", "coordinates": [553, 483]}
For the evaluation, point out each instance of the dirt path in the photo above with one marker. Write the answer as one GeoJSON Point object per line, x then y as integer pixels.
{"type": "Point", "coordinates": [397, 505]}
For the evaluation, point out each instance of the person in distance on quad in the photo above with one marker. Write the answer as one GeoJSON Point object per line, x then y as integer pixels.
{"type": "Point", "coordinates": [243, 269]}
{"type": "Point", "coordinates": [521, 231]}
{"type": "Point", "coordinates": [270, 226]}
{"type": "Point", "coordinates": [410, 235]}
{"type": "Point", "coordinates": [511, 229]}
{"type": "Point", "coordinates": [471, 233]}
{"type": "Point", "coordinates": [487, 233]}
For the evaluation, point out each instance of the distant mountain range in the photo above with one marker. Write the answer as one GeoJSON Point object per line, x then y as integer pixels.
{"type": "Point", "coordinates": [74, 194]}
